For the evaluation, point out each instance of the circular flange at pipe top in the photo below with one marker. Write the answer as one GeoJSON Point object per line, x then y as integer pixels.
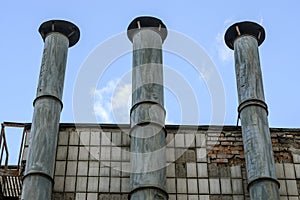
{"type": "Point", "coordinates": [146, 22]}
{"type": "Point", "coordinates": [70, 30]}
{"type": "Point", "coordinates": [244, 28]}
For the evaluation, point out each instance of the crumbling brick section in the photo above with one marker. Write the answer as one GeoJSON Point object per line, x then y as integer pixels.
{"type": "Point", "coordinates": [283, 143]}
{"type": "Point", "coordinates": [226, 148]}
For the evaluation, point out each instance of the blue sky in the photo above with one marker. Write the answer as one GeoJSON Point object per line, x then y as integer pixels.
{"type": "Point", "coordinates": [204, 22]}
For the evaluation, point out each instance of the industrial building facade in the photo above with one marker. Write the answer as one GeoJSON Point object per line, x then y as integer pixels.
{"type": "Point", "coordinates": [148, 160]}
{"type": "Point", "coordinates": [93, 162]}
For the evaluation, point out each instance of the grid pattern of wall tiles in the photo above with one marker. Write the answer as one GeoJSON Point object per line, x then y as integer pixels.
{"type": "Point", "coordinates": [191, 176]}
{"type": "Point", "coordinates": [94, 164]}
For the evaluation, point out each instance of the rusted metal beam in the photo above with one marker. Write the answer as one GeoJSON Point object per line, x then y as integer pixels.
{"type": "Point", "coordinates": [3, 147]}
{"type": "Point", "coordinates": [13, 124]}
{"type": "Point", "coordinates": [38, 179]}
{"type": "Point", "coordinates": [21, 148]}
{"type": "Point", "coordinates": [244, 38]}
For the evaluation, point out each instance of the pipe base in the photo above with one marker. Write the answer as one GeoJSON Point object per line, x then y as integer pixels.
{"type": "Point", "coordinates": [264, 190]}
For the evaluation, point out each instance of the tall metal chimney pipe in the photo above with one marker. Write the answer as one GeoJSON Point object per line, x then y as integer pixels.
{"type": "Point", "coordinates": [244, 38]}
{"type": "Point", "coordinates": [147, 115]}
{"type": "Point", "coordinates": [38, 180]}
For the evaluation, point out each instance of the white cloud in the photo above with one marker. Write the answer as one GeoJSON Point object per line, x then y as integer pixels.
{"type": "Point", "coordinates": [261, 20]}
{"type": "Point", "coordinates": [228, 21]}
{"type": "Point", "coordinates": [112, 102]}
{"type": "Point", "coordinates": [224, 53]}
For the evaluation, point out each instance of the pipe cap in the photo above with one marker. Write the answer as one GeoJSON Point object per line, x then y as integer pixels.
{"type": "Point", "coordinates": [70, 30]}
{"type": "Point", "coordinates": [244, 28]}
{"type": "Point", "coordinates": [147, 22]}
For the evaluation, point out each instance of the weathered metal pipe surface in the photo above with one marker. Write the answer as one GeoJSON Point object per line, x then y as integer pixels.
{"type": "Point", "coordinates": [147, 116]}
{"type": "Point", "coordinates": [40, 163]}
{"type": "Point", "coordinates": [245, 38]}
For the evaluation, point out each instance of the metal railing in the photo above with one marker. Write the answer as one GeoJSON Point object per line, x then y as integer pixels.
{"type": "Point", "coordinates": [10, 175]}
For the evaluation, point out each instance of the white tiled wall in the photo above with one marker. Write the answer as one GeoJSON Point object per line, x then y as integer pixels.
{"type": "Point", "coordinates": [93, 164]}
